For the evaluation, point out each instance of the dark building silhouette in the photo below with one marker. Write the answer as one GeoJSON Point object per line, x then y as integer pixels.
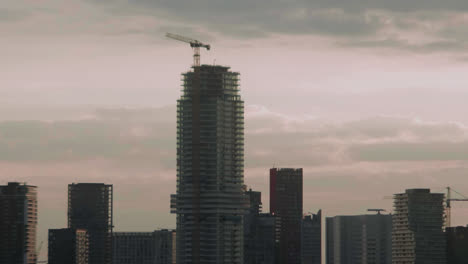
{"type": "Point", "coordinates": [68, 246]}
{"type": "Point", "coordinates": [259, 232]}
{"type": "Point", "coordinates": [265, 239]}
{"type": "Point", "coordinates": [18, 223]}
{"type": "Point", "coordinates": [156, 247]}
{"type": "Point", "coordinates": [250, 225]}
{"type": "Point", "coordinates": [210, 202]}
{"type": "Point", "coordinates": [457, 245]}
{"type": "Point", "coordinates": [90, 208]}
{"type": "Point", "coordinates": [359, 239]}
{"type": "Point", "coordinates": [286, 205]}
{"type": "Point", "coordinates": [418, 221]}
{"type": "Point", "coordinates": [312, 238]}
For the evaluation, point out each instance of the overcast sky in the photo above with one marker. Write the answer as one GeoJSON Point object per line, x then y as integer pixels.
{"type": "Point", "coordinates": [369, 97]}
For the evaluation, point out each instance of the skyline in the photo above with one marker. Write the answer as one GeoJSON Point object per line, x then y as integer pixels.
{"type": "Point", "coordinates": [369, 103]}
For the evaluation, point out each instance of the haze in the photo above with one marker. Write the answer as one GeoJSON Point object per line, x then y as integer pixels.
{"type": "Point", "coordinates": [369, 97]}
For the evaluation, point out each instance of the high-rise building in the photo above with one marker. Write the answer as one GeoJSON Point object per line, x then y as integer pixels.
{"type": "Point", "coordinates": [210, 201]}
{"type": "Point", "coordinates": [250, 225]}
{"type": "Point", "coordinates": [18, 223]}
{"type": "Point", "coordinates": [259, 232]}
{"type": "Point", "coordinates": [286, 205]}
{"type": "Point", "coordinates": [418, 221]}
{"type": "Point", "coordinates": [457, 245]}
{"type": "Point", "coordinates": [90, 208]}
{"type": "Point", "coordinates": [144, 247]}
{"type": "Point", "coordinates": [359, 239]}
{"type": "Point", "coordinates": [312, 238]}
{"type": "Point", "coordinates": [265, 239]}
{"type": "Point", "coordinates": [70, 246]}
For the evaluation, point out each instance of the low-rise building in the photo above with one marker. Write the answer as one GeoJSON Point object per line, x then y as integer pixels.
{"type": "Point", "coordinates": [69, 246]}
{"type": "Point", "coordinates": [156, 247]}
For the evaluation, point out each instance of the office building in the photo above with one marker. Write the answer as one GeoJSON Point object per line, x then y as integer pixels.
{"type": "Point", "coordinates": [250, 225]}
{"type": "Point", "coordinates": [312, 238]}
{"type": "Point", "coordinates": [286, 205]}
{"type": "Point", "coordinates": [210, 202]}
{"type": "Point", "coordinates": [18, 223]}
{"type": "Point", "coordinates": [457, 245]}
{"type": "Point", "coordinates": [70, 246]}
{"type": "Point", "coordinates": [156, 247]}
{"type": "Point", "coordinates": [418, 222]}
{"type": "Point", "coordinates": [259, 232]}
{"type": "Point", "coordinates": [264, 246]}
{"type": "Point", "coordinates": [90, 208]}
{"type": "Point", "coordinates": [359, 239]}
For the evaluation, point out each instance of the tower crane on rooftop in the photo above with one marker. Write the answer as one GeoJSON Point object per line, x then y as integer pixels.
{"type": "Point", "coordinates": [195, 44]}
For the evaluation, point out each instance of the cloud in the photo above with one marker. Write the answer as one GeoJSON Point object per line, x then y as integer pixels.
{"type": "Point", "coordinates": [435, 151]}
{"type": "Point", "coordinates": [414, 26]}
{"type": "Point", "coordinates": [148, 135]}
{"type": "Point", "coordinates": [12, 15]}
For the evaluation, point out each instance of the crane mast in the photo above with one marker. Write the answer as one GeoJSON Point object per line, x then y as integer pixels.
{"type": "Point", "coordinates": [448, 206]}
{"type": "Point", "coordinates": [194, 44]}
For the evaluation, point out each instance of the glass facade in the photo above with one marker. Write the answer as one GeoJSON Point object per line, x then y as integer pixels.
{"type": "Point", "coordinates": [210, 167]}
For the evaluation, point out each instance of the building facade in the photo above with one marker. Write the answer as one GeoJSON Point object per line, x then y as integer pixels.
{"type": "Point", "coordinates": [457, 245]}
{"type": "Point", "coordinates": [418, 222]}
{"type": "Point", "coordinates": [210, 202]}
{"type": "Point", "coordinates": [259, 232]}
{"type": "Point", "coordinates": [359, 239]}
{"type": "Point", "coordinates": [90, 208]}
{"type": "Point", "coordinates": [312, 238]}
{"type": "Point", "coordinates": [286, 206]}
{"type": "Point", "coordinates": [69, 246]}
{"type": "Point", "coordinates": [250, 225]}
{"type": "Point", "coordinates": [18, 223]}
{"type": "Point", "coordinates": [156, 247]}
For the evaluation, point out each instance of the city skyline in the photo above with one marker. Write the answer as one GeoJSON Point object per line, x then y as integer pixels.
{"type": "Point", "coordinates": [368, 98]}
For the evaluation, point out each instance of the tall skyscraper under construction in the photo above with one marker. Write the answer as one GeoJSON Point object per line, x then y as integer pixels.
{"type": "Point", "coordinates": [90, 208]}
{"type": "Point", "coordinates": [210, 200]}
{"type": "Point", "coordinates": [18, 223]}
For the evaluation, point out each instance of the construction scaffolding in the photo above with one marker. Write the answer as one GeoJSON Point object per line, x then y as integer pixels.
{"type": "Point", "coordinates": [210, 201]}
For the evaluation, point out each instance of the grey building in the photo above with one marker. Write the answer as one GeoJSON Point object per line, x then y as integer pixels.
{"type": "Point", "coordinates": [312, 238]}
{"type": "Point", "coordinates": [70, 246]}
{"type": "Point", "coordinates": [210, 201]}
{"type": "Point", "coordinates": [359, 239]}
{"type": "Point", "coordinates": [250, 225]}
{"type": "Point", "coordinates": [457, 245]}
{"type": "Point", "coordinates": [259, 232]}
{"type": "Point", "coordinates": [90, 208]}
{"type": "Point", "coordinates": [286, 206]}
{"type": "Point", "coordinates": [156, 247]}
{"type": "Point", "coordinates": [418, 222]}
{"type": "Point", "coordinates": [18, 223]}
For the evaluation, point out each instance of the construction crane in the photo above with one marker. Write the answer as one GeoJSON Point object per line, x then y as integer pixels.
{"type": "Point", "coordinates": [376, 210]}
{"type": "Point", "coordinates": [195, 44]}
{"type": "Point", "coordinates": [448, 204]}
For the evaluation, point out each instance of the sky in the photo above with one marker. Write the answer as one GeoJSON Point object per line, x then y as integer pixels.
{"type": "Point", "coordinates": [369, 97]}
